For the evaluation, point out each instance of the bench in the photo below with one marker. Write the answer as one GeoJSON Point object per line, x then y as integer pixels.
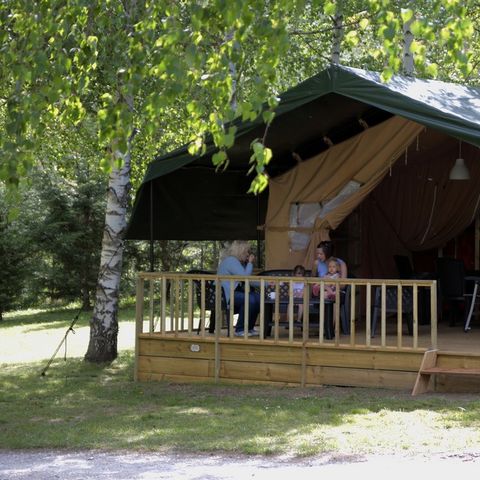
{"type": "Point", "coordinates": [429, 367]}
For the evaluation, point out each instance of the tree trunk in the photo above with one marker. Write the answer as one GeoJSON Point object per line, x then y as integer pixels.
{"type": "Point", "coordinates": [338, 33]}
{"type": "Point", "coordinates": [104, 322]}
{"type": "Point", "coordinates": [408, 65]}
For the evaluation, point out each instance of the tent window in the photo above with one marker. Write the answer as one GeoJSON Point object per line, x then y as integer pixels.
{"type": "Point", "coordinates": [303, 215]}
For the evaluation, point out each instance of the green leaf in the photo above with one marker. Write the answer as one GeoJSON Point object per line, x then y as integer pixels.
{"type": "Point", "coordinates": [351, 38]}
{"type": "Point", "coordinates": [417, 28]}
{"type": "Point", "coordinates": [329, 8]}
{"type": "Point", "coordinates": [229, 138]}
{"type": "Point", "coordinates": [219, 157]}
{"type": "Point", "coordinates": [415, 46]}
{"type": "Point", "coordinates": [267, 155]}
{"type": "Point", "coordinates": [268, 116]}
{"type": "Point", "coordinates": [364, 22]}
{"type": "Point", "coordinates": [432, 70]}
{"type": "Point", "coordinates": [386, 74]}
{"type": "Point", "coordinates": [406, 14]}
{"type": "Point", "coordinates": [259, 184]}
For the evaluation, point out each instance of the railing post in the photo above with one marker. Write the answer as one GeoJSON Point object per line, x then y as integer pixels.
{"type": "Point", "coordinates": [399, 315]}
{"type": "Point", "coordinates": [276, 314]}
{"type": "Point", "coordinates": [336, 315]}
{"type": "Point", "coordinates": [218, 326]}
{"type": "Point", "coordinates": [151, 304]}
{"type": "Point", "coordinates": [415, 316]}
{"type": "Point", "coordinates": [246, 317]}
{"type": "Point", "coordinates": [176, 300]}
{"type": "Point", "coordinates": [306, 312]}
{"type": "Point", "coordinates": [352, 313]}
{"type": "Point", "coordinates": [262, 309]}
{"type": "Point", "coordinates": [190, 306]}
{"type": "Point", "coordinates": [202, 307]}
{"type": "Point", "coordinates": [138, 321]}
{"type": "Point", "coordinates": [433, 314]}
{"type": "Point", "coordinates": [231, 311]}
{"type": "Point", "coordinates": [321, 313]}
{"type": "Point", "coordinates": [163, 308]}
{"type": "Point", "coordinates": [368, 315]}
{"type": "Point", "coordinates": [290, 311]}
{"type": "Point", "coordinates": [383, 313]}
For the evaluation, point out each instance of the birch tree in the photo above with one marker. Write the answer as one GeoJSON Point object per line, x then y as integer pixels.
{"type": "Point", "coordinates": [127, 64]}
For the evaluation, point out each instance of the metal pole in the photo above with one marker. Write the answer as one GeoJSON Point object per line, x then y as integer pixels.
{"type": "Point", "coordinates": [152, 259]}
{"type": "Point", "coordinates": [259, 260]}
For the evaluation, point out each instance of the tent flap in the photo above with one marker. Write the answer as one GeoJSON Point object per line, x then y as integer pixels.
{"type": "Point", "coordinates": [365, 158]}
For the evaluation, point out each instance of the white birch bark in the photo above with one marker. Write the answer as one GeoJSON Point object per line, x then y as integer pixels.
{"type": "Point", "coordinates": [104, 322]}
{"type": "Point", "coordinates": [408, 66]}
{"type": "Point", "coordinates": [338, 33]}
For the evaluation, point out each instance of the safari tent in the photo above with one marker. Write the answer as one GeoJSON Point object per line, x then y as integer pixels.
{"type": "Point", "coordinates": [345, 145]}
{"type": "Point", "coordinates": [336, 138]}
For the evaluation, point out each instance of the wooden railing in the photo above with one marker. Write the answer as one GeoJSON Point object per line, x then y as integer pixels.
{"type": "Point", "coordinates": [181, 304]}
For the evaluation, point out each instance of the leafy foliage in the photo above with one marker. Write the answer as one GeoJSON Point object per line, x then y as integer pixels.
{"type": "Point", "coordinates": [14, 255]}
{"type": "Point", "coordinates": [134, 64]}
{"type": "Point", "coordinates": [69, 233]}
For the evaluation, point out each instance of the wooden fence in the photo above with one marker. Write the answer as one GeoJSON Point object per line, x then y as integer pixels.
{"type": "Point", "coordinates": [178, 304]}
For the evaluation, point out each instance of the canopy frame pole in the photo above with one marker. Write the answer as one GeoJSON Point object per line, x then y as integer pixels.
{"type": "Point", "coordinates": [259, 259]}
{"type": "Point", "coordinates": [152, 258]}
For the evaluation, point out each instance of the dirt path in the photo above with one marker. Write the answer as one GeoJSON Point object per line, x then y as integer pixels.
{"type": "Point", "coordinates": [92, 465]}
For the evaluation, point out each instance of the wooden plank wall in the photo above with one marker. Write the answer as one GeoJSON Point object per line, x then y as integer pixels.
{"type": "Point", "coordinates": [193, 359]}
{"type": "Point", "coordinates": [456, 383]}
{"type": "Point", "coordinates": [183, 359]}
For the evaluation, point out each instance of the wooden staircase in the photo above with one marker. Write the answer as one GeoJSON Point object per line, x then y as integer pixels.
{"type": "Point", "coordinates": [429, 367]}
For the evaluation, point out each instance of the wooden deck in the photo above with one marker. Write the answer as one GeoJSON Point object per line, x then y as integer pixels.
{"type": "Point", "coordinates": [185, 358]}
{"type": "Point", "coordinates": [170, 349]}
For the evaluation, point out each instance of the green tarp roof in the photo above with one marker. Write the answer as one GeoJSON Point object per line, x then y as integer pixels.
{"type": "Point", "coordinates": [182, 197]}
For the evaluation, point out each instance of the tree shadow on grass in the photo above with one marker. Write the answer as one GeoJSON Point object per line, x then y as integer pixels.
{"type": "Point", "coordinates": [58, 318]}
{"type": "Point", "coordinates": [46, 317]}
{"type": "Point", "coordinates": [80, 405]}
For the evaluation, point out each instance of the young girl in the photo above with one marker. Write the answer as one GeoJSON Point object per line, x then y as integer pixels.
{"type": "Point", "coordinates": [333, 272]}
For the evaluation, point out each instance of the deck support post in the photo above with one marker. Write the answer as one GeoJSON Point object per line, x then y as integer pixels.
{"type": "Point", "coordinates": [218, 326]}
{"type": "Point", "coordinates": [138, 322]}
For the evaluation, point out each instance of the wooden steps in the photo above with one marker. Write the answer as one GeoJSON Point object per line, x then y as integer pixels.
{"type": "Point", "coordinates": [428, 368]}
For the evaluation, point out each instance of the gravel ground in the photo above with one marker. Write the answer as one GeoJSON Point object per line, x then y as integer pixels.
{"type": "Point", "coordinates": [94, 465]}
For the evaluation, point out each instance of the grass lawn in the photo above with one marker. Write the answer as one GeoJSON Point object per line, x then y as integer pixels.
{"type": "Point", "coordinates": [78, 406]}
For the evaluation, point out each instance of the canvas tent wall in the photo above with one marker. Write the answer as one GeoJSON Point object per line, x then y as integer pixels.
{"type": "Point", "coordinates": [432, 211]}
{"type": "Point", "coordinates": [182, 197]}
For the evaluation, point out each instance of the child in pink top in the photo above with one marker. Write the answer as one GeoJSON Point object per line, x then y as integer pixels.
{"type": "Point", "coordinates": [333, 272]}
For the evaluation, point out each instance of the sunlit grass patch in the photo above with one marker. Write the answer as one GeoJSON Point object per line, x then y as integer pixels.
{"type": "Point", "coordinates": [81, 405]}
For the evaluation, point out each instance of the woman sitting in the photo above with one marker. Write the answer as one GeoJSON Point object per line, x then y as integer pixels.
{"type": "Point", "coordinates": [324, 253]}
{"type": "Point", "coordinates": [238, 260]}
